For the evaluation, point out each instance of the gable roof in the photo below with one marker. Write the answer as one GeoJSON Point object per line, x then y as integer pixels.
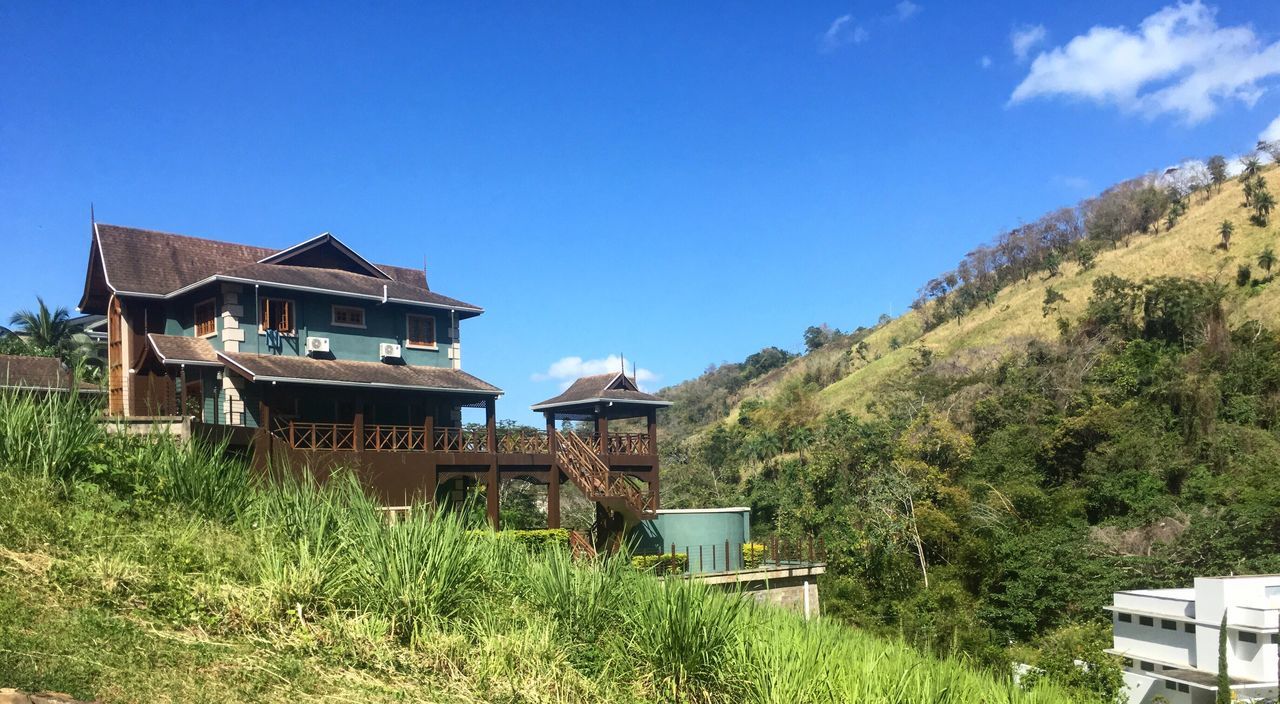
{"type": "Point", "coordinates": [325, 240]}
{"type": "Point", "coordinates": [601, 388]}
{"type": "Point", "coordinates": [146, 263]}
{"type": "Point", "coordinates": [19, 371]}
{"type": "Point", "coordinates": [337, 372]}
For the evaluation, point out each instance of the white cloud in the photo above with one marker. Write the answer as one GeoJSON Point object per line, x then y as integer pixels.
{"type": "Point", "coordinates": [906, 9]}
{"type": "Point", "coordinates": [1272, 132]}
{"type": "Point", "coordinates": [843, 30]}
{"type": "Point", "coordinates": [1025, 38]}
{"type": "Point", "coordinates": [985, 62]}
{"type": "Point", "coordinates": [1178, 61]}
{"type": "Point", "coordinates": [566, 369]}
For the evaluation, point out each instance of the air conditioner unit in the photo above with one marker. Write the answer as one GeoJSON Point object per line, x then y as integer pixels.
{"type": "Point", "coordinates": [388, 350]}
{"type": "Point", "coordinates": [317, 344]}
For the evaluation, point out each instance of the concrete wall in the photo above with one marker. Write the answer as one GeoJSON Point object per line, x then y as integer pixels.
{"type": "Point", "coordinates": [789, 594]}
{"type": "Point", "coordinates": [1155, 642]}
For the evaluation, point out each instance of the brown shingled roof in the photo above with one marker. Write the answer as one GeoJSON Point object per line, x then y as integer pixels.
{"type": "Point", "coordinates": [174, 349]}
{"type": "Point", "coordinates": [601, 387]}
{"type": "Point", "coordinates": [154, 263]}
{"type": "Point", "coordinates": [263, 367]}
{"type": "Point", "coordinates": [39, 374]}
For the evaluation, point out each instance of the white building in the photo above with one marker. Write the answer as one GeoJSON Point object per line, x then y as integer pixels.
{"type": "Point", "coordinates": [1169, 639]}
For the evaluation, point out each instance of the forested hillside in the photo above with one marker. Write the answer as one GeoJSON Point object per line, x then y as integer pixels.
{"type": "Point", "coordinates": [1089, 403]}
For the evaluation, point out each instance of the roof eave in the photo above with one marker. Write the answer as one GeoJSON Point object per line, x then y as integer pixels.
{"type": "Point", "coordinates": [249, 374]}
{"type": "Point", "coordinates": [586, 401]}
{"type": "Point", "coordinates": [465, 308]}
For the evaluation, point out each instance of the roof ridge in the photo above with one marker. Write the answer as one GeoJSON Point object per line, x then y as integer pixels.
{"type": "Point", "coordinates": [166, 233]}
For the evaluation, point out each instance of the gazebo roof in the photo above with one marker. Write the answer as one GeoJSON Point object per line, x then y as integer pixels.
{"type": "Point", "coordinates": [615, 394]}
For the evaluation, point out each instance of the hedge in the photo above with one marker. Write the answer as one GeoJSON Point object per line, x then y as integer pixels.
{"type": "Point", "coordinates": [667, 563]}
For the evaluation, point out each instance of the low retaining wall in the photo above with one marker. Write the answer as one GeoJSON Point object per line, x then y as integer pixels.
{"type": "Point", "coordinates": [794, 588]}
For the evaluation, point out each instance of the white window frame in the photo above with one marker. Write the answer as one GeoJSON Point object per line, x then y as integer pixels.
{"type": "Point", "coordinates": [292, 304]}
{"type": "Point", "coordinates": [333, 316]}
{"type": "Point", "coordinates": [435, 336]}
{"type": "Point", "coordinates": [195, 314]}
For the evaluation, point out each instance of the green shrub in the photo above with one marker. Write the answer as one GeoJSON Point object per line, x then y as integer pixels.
{"type": "Point", "coordinates": [753, 555]}
{"type": "Point", "coordinates": [667, 563]}
{"type": "Point", "coordinates": [533, 539]}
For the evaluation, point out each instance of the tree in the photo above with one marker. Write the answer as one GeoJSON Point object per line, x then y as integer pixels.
{"type": "Point", "coordinates": [815, 336]}
{"type": "Point", "coordinates": [1217, 170]}
{"type": "Point", "coordinates": [1267, 259]}
{"type": "Point", "coordinates": [1263, 203]}
{"type": "Point", "coordinates": [1052, 297]}
{"type": "Point", "coordinates": [1225, 230]}
{"type": "Point", "coordinates": [46, 329]}
{"type": "Point", "coordinates": [1224, 680]}
{"type": "Point", "coordinates": [1249, 167]}
{"type": "Point", "coordinates": [1271, 149]}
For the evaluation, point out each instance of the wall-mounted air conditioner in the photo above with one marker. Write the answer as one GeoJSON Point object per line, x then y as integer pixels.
{"type": "Point", "coordinates": [388, 350]}
{"type": "Point", "coordinates": [317, 344]}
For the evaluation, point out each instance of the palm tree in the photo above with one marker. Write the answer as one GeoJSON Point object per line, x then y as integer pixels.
{"type": "Point", "coordinates": [1226, 229]}
{"type": "Point", "coordinates": [1263, 203]}
{"type": "Point", "coordinates": [45, 329]}
{"type": "Point", "coordinates": [1267, 259]}
{"type": "Point", "coordinates": [1251, 165]}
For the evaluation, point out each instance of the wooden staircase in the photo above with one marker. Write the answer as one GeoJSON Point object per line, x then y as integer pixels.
{"type": "Point", "coordinates": [613, 491]}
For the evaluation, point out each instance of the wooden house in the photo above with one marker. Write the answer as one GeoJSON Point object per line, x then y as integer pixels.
{"type": "Point", "coordinates": [316, 356]}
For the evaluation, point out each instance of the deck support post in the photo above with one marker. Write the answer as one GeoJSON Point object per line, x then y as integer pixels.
{"type": "Point", "coordinates": [491, 435]}
{"type": "Point", "coordinates": [428, 447]}
{"type": "Point", "coordinates": [654, 488]}
{"type": "Point", "coordinates": [602, 429]}
{"type": "Point", "coordinates": [357, 430]}
{"type": "Point", "coordinates": [553, 475]}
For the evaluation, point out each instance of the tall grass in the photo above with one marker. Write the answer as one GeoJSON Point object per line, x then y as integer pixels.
{"type": "Point", "coordinates": [320, 571]}
{"type": "Point", "coordinates": [51, 436]}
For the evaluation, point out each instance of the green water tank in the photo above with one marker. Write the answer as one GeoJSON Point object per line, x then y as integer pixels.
{"type": "Point", "coordinates": [700, 533]}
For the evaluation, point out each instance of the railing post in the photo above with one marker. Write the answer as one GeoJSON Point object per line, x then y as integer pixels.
{"type": "Point", "coordinates": [429, 435]}
{"type": "Point", "coordinates": [728, 557]}
{"type": "Point", "coordinates": [293, 443]}
{"type": "Point", "coordinates": [357, 432]}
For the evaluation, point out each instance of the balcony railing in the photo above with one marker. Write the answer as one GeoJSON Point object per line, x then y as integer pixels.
{"type": "Point", "coordinates": [383, 437]}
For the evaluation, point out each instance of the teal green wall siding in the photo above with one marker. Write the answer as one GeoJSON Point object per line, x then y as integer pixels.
{"type": "Point", "coordinates": [689, 531]}
{"type": "Point", "coordinates": [314, 313]}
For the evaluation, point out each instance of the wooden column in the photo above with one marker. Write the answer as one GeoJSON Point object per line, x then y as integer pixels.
{"type": "Point", "coordinates": [491, 428]}
{"type": "Point", "coordinates": [182, 395]}
{"type": "Point", "coordinates": [553, 475]}
{"type": "Point", "coordinates": [652, 418]}
{"type": "Point", "coordinates": [602, 429]}
{"type": "Point", "coordinates": [358, 429]}
{"type": "Point", "coordinates": [428, 447]}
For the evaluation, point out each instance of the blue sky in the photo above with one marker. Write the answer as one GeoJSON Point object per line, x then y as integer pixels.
{"type": "Point", "coordinates": [682, 183]}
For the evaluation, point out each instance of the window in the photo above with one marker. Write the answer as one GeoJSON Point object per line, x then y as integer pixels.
{"type": "Point", "coordinates": [206, 318]}
{"type": "Point", "coordinates": [1147, 666]}
{"type": "Point", "coordinates": [1170, 684]}
{"type": "Point", "coordinates": [1125, 618]}
{"type": "Point", "coordinates": [1189, 627]}
{"type": "Point", "coordinates": [1146, 621]}
{"type": "Point", "coordinates": [1275, 638]}
{"type": "Point", "coordinates": [1168, 625]}
{"type": "Point", "coordinates": [276, 314]}
{"type": "Point", "coordinates": [348, 316]}
{"type": "Point", "coordinates": [1183, 687]}
{"type": "Point", "coordinates": [420, 331]}
{"type": "Point", "coordinates": [1247, 637]}
{"type": "Point", "coordinates": [1128, 662]}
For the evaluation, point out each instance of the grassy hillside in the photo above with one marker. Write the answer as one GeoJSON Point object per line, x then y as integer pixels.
{"type": "Point", "coordinates": [985, 484]}
{"type": "Point", "coordinates": [1187, 250]}
{"type": "Point", "coordinates": [142, 570]}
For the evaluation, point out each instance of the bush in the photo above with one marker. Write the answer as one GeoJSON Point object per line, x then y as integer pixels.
{"type": "Point", "coordinates": [535, 539]}
{"type": "Point", "coordinates": [753, 555]}
{"type": "Point", "coordinates": [667, 563]}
